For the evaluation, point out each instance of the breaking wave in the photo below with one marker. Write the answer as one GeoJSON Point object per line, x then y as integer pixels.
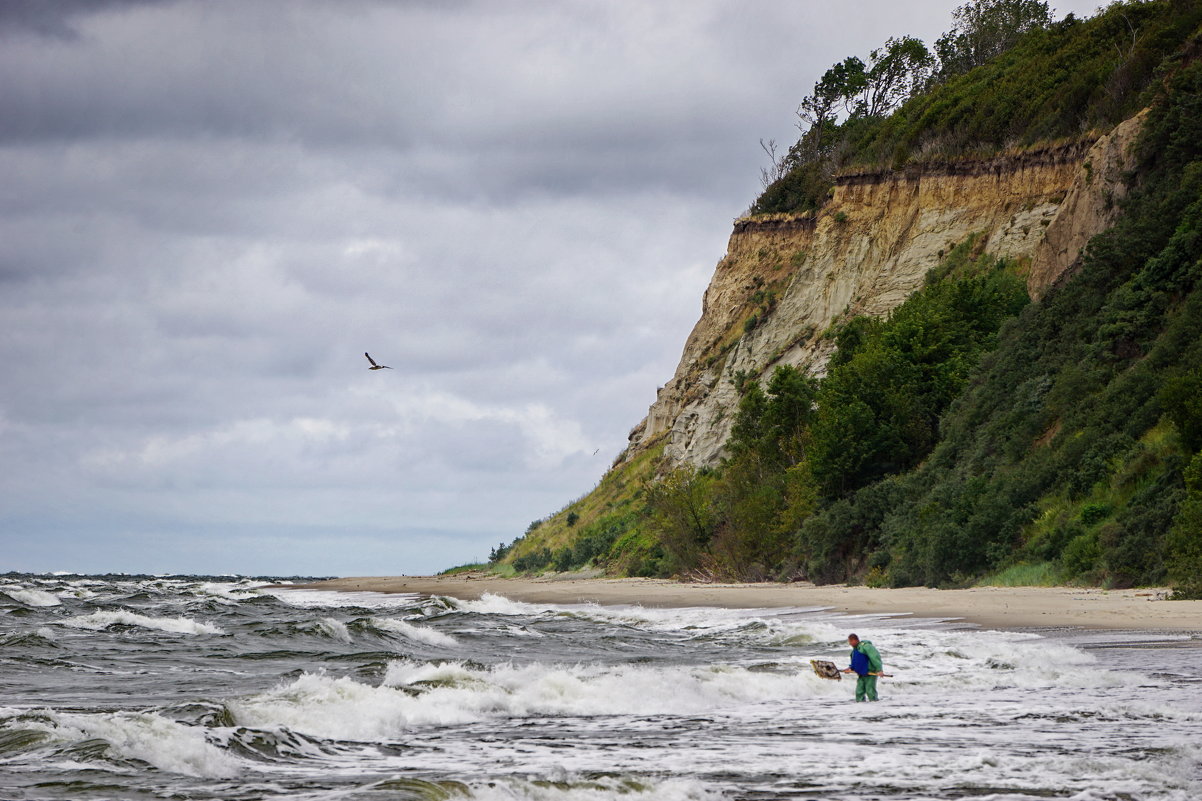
{"type": "Point", "coordinates": [410, 631]}
{"type": "Point", "coordinates": [334, 629]}
{"type": "Point", "coordinates": [321, 599]}
{"type": "Point", "coordinates": [31, 597]}
{"type": "Point", "coordinates": [146, 736]}
{"type": "Point", "coordinates": [121, 617]}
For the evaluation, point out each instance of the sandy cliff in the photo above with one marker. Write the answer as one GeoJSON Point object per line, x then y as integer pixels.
{"type": "Point", "coordinates": [786, 278]}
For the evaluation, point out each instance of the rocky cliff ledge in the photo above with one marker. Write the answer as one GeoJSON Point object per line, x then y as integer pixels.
{"type": "Point", "coordinates": [786, 278]}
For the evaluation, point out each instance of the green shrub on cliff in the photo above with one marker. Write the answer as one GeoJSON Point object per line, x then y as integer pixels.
{"type": "Point", "coordinates": [798, 442]}
{"type": "Point", "coordinates": [879, 408]}
{"type": "Point", "coordinates": [1184, 542]}
{"type": "Point", "coordinates": [1065, 414]}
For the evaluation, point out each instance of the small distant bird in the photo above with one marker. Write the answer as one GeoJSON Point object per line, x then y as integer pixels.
{"type": "Point", "coordinates": [375, 366]}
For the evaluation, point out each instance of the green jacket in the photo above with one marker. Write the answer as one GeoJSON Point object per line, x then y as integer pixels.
{"type": "Point", "coordinates": [869, 650]}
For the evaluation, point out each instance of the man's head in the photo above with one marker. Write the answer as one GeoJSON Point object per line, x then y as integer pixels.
{"type": "Point", "coordinates": [853, 640]}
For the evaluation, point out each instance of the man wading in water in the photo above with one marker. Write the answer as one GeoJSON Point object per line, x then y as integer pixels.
{"type": "Point", "coordinates": [865, 663]}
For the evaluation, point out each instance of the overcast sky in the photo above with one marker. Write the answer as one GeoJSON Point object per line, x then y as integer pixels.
{"type": "Point", "coordinates": [210, 210]}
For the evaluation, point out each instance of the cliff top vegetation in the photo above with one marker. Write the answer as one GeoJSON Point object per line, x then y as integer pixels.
{"type": "Point", "coordinates": [1006, 76]}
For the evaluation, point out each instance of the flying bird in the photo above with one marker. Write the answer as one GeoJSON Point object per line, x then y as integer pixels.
{"type": "Point", "coordinates": [375, 366]}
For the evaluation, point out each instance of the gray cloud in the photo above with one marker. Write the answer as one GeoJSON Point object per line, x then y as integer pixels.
{"type": "Point", "coordinates": [57, 20]}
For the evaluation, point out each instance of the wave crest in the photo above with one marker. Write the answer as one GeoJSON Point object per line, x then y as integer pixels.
{"type": "Point", "coordinates": [31, 597]}
{"type": "Point", "coordinates": [409, 631]}
{"type": "Point", "coordinates": [98, 621]}
{"type": "Point", "coordinates": [163, 743]}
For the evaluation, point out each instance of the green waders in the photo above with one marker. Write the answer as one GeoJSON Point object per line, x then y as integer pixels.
{"type": "Point", "coordinates": [866, 688]}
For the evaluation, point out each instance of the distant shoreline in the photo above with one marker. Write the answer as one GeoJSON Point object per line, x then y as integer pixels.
{"type": "Point", "coordinates": [988, 607]}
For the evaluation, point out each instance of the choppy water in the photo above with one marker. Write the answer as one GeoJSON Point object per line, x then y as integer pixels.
{"type": "Point", "coordinates": [155, 688]}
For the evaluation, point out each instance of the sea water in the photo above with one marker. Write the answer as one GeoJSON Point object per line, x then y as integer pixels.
{"type": "Point", "coordinates": [121, 687]}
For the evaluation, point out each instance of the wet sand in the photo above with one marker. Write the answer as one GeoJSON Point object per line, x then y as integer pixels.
{"type": "Point", "coordinates": [989, 607]}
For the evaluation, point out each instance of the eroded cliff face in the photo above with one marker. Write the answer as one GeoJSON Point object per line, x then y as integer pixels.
{"type": "Point", "coordinates": [786, 279]}
{"type": "Point", "coordinates": [1090, 206]}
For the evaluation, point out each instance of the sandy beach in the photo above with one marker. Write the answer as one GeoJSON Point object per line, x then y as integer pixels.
{"type": "Point", "coordinates": [989, 607]}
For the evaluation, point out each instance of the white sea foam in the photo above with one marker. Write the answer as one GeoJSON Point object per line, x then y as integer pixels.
{"type": "Point", "coordinates": [493, 604]}
{"type": "Point", "coordinates": [567, 788]}
{"type": "Point", "coordinates": [342, 709]}
{"type": "Point", "coordinates": [321, 599]}
{"type": "Point", "coordinates": [421, 633]}
{"type": "Point", "coordinates": [66, 589]}
{"type": "Point", "coordinates": [174, 625]}
{"type": "Point", "coordinates": [163, 743]}
{"type": "Point", "coordinates": [695, 621]}
{"type": "Point", "coordinates": [928, 667]}
{"type": "Point", "coordinates": [936, 661]}
{"type": "Point", "coordinates": [599, 690]}
{"type": "Point", "coordinates": [334, 629]}
{"type": "Point", "coordinates": [921, 658]}
{"type": "Point", "coordinates": [514, 631]}
{"type": "Point", "coordinates": [768, 625]}
{"type": "Point", "coordinates": [31, 597]}
{"type": "Point", "coordinates": [228, 591]}
{"type": "Point", "coordinates": [416, 695]}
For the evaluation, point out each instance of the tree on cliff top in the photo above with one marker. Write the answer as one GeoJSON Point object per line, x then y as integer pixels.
{"type": "Point", "coordinates": [984, 29]}
{"type": "Point", "coordinates": [818, 112]}
{"type": "Point", "coordinates": [899, 70]}
{"type": "Point", "coordinates": [896, 72]}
